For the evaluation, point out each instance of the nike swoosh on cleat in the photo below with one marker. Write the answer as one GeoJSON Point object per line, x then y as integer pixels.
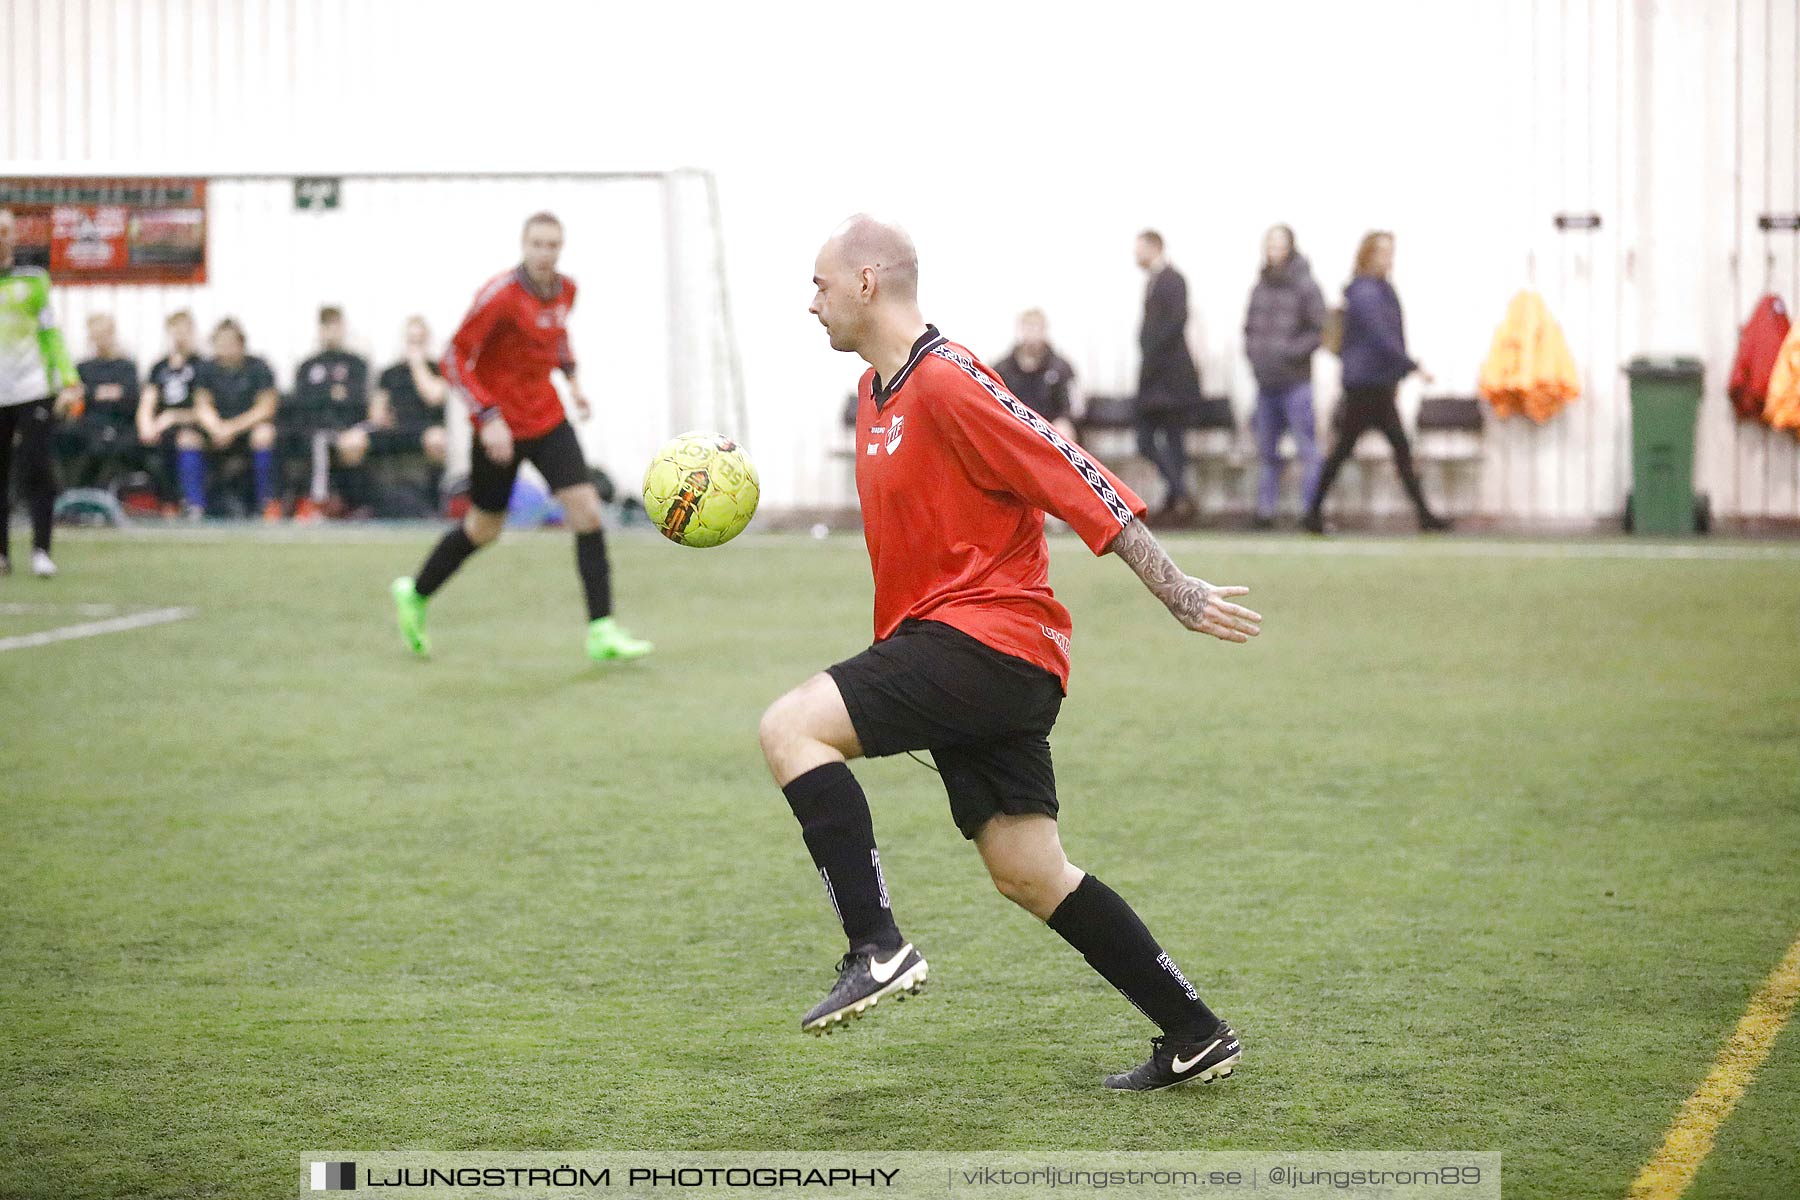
{"type": "Point", "coordinates": [882, 972]}
{"type": "Point", "coordinates": [1182, 1068]}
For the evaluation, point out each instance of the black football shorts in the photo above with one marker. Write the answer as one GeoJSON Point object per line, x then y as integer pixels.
{"type": "Point", "coordinates": [556, 454]}
{"type": "Point", "coordinates": [985, 716]}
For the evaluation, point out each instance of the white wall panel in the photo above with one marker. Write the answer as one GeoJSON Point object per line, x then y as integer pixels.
{"type": "Point", "coordinates": [1024, 149]}
{"type": "Point", "coordinates": [1758, 467]}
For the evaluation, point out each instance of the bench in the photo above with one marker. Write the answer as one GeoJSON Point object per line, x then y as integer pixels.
{"type": "Point", "coordinates": [1107, 426]}
{"type": "Point", "coordinates": [1448, 434]}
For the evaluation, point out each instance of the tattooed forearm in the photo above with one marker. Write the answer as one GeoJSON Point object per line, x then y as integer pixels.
{"type": "Point", "coordinates": [1197, 604]}
{"type": "Point", "coordinates": [1184, 596]}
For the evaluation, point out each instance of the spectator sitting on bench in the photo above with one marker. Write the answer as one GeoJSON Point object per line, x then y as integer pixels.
{"type": "Point", "coordinates": [1038, 375]}
{"type": "Point", "coordinates": [327, 415]}
{"type": "Point", "coordinates": [103, 442]}
{"type": "Point", "coordinates": [166, 417]}
{"type": "Point", "coordinates": [235, 404]}
{"type": "Point", "coordinates": [406, 415]}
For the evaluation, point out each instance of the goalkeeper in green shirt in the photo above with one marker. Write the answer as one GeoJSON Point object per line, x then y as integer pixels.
{"type": "Point", "coordinates": [37, 384]}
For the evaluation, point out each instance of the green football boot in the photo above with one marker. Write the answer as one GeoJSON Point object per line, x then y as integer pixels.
{"type": "Point", "coordinates": [411, 608]}
{"type": "Point", "coordinates": [607, 641]}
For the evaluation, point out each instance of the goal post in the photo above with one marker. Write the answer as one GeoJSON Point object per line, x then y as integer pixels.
{"type": "Point", "coordinates": [652, 327]}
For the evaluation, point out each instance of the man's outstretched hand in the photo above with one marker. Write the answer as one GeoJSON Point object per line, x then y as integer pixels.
{"type": "Point", "coordinates": [1197, 604]}
{"type": "Point", "coordinates": [1203, 608]}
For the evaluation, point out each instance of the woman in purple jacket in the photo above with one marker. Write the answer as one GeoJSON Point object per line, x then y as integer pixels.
{"type": "Point", "coordinates": [1375, 361]}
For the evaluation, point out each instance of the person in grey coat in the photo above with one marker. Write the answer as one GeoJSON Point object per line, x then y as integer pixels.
{"type": "Point", "coordinates": [1168, 382]}
{"type": "Point", "coordinates": [1281, 330]}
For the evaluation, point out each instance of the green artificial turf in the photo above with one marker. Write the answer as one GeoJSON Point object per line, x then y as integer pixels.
{"type": "Point", "coordinates": [1478, 847]}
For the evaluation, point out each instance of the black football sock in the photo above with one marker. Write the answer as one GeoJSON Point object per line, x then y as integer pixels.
{"type": "Point", "coordinates": [443, 560]}
{"type": "Point", "coordinates": [1096, 921]}
{"type": "Point", "coordinates": [40, 481]}
{"type": "Point", "coordinates": [834, 819]}
{"type": "Point", "coordinates": [596, 576]}
{"type": "Point", "coordinates": [43, 512]}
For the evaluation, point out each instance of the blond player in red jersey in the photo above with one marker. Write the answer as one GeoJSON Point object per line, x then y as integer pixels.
{"type": "Point", "coordinates": [971, 653]}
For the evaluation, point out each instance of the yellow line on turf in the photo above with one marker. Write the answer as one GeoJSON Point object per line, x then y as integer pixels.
{"type": "Point", "coordinates": [1690, 1139]}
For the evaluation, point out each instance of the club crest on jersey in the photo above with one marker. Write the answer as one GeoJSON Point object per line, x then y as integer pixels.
{"type": "Point", "coordinates": [894, 433]}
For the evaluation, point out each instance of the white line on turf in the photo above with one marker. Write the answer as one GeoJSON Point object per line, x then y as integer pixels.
{"type": "Point", "coordinates": [84, 610]}
{"type": "Point", "coordinates": [65, 633]}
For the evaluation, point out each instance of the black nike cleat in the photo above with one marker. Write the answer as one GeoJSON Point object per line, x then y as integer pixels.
{"type": "Point", "coordinates": [1172, 1062]}
{"type": "Point", "coordinates": [865, 977]}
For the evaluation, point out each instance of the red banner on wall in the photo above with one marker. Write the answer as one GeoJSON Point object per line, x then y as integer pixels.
{"type": "Point", "coordinates": [91, 230]}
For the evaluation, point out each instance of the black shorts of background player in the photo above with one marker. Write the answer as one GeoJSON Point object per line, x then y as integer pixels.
{"type": "Point", "coordinates": [406, 411]}
{"type": "Point", "coordinates": [325, 419]}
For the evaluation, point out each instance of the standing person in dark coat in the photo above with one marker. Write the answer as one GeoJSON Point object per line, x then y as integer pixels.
{"type": "Point", "coordinates": [1168, 382]}
{"type": "Point", "coordinates": [1038, 375]}
{"type": "Point", "coordinates": [1375, 361]}
{"type": "Point", "coordinates": [1281, 330]}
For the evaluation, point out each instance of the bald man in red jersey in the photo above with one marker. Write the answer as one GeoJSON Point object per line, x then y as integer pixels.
{"type": "Point", "coordinates": [971, 653]}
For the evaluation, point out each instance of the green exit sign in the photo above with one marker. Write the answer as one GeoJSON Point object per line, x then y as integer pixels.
{"type": "Point", "coordinates": [317, 192]}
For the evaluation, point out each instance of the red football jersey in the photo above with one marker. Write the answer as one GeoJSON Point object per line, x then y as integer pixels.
{"type": "Point", "coordinates": [955, 475]}
{"type": "Point", "coordinates": [505, 349]}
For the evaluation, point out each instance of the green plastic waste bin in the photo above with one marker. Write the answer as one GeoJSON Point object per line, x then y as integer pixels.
{"type": "Point", "coordinates": [1665, 406]}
